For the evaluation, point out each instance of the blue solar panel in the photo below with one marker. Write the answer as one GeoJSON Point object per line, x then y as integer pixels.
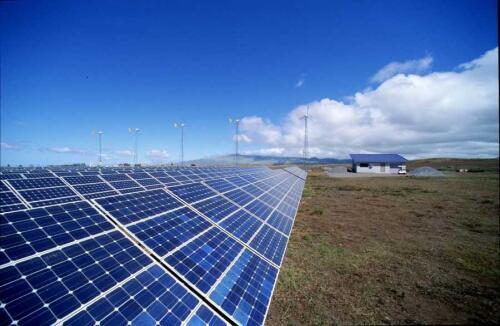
{"type": "Point", "coordinates": [242, 225]}
{"type": "Point", "coordinates": [134, 207]}
{"type": "Point", "coordinates": [148, 182]}
{"type": "Point", "coordinates": [245, 291]}
{"type": "Point", "coordinates": [238, 181]}
{"type": "Point", "coordinates": [216, 208]}
{"type": "Point", "coordinates": [8, 198]}
{"type": "Point", "coordinates": [205, 316]}
{"type": "Point", "coordinates": [151, 296]}
{"type": "Point", "coordinates": [83, 180]}
{"type": "Point", "coordinates": [220, 185]}
{"type": "Point", "coordinates": [214, 254]}
{"type": "Point", "coordinates": [92, 188]}
{"type": "Point", "coordinates": [270, 243]}
{"type": "Point", "coordinates": [115, 177]}
{"type": "Point", "coordinates": [167, 180]}
{"type": "Point", "coordinates": [280, 222]}
{"type": "Point", "coordinates": [192, 192]}
{"type": "Point", "coordinates": [203, 260]}
{"type": "Point", "coordinates": [259, 209]}
{"type": "Point", "coordinates": [239, 196]}
{"type": "Point", "coordinates": [49, 196]}
{"type": "Point", "coordinates": [166, 232]}
{"type": "Point", "coordinates": [26, 232]}
{"type": "Point", "coordinates": [21, 184]}
{"type": "Point", "coordinates": [124, 184]}
{"type": "Point", "coordinates": [3, 187]}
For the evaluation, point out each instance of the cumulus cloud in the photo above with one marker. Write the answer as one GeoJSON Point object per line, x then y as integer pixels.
{"type": "Point", "coordinates": [157, 155]}
{"type": "Point", "coordinates": [410, 66]}
{"type": "Point", "coordinates": [9, 146]}
{"type": "Point", "coordinates": [452, 114]}
{"type": "Point", "coordinates": [65, 150]}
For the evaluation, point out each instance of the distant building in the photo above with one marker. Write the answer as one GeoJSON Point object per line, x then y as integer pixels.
{"type": "Point", "coordinates": [378, 163]}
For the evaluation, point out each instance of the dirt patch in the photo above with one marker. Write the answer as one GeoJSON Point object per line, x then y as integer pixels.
{"type": "Point", "coordinates": [392, 250]}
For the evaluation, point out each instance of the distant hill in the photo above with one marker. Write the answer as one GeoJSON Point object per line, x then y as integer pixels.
{"type": "Point", "coordinates": [265, 160]}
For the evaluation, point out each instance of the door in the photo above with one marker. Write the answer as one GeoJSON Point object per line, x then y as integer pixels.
{"type": "Point", "coordinates": [382, 167]}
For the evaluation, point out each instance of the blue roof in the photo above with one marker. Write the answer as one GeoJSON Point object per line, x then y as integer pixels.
{"type": "Point", "coordinates": [377, 158]}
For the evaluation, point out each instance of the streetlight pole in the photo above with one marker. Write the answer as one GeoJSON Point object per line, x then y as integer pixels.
{"type": "Point", "coordinates": [181, 126]}
{"type": "Point", "coordinates": [135, 131]}
{"type": "Point", "coordinates": [236, 123]}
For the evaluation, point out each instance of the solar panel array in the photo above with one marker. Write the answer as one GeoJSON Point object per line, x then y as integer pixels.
{"type": "Point", "coordinates": [144, 246]}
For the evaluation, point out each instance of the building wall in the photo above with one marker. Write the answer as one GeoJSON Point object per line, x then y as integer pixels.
{"type": "Point", "coordinates": [376, 168]}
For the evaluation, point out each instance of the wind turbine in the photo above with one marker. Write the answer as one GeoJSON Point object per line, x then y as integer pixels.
{"type": "Point", "coordinates": [236, 123]}
{"type": "Point", "coordinates": [181, 125]}
{"type": "Point", "coordinates": [135, 131]}
{"type": "Point", "coordinates": [306, 139]}
{"type": "Point", "coordinates": [99, 134]}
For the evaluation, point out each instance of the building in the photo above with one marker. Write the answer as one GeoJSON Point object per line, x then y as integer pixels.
{"type": "Point", "coordinates": [378, 163]}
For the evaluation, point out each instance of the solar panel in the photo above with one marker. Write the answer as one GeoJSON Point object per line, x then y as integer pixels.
{"type": "Point", "coordinates": [193, 253]}
{"type": "Point", "coordinates": [192, 192]}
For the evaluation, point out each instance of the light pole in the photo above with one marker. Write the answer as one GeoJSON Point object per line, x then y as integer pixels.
{"type": "Point", "coordinates": [181, 126]}
{"type": "Point", "coordinates": [99, 134]}
{"type": "Point", "coordinates": [236, 123]}
{"type": "Point", "coordinates": [135, 131]}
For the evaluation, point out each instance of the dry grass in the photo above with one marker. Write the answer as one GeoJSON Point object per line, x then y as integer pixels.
{"type": "Point", "coordinates": [392, 250]}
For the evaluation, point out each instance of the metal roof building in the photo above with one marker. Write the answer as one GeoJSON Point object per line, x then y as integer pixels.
{"type": "Point", "coordinates": [378, 163]}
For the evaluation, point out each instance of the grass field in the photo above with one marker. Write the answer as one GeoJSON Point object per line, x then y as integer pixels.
{"type": "Point", "coordinates": [394, 250]}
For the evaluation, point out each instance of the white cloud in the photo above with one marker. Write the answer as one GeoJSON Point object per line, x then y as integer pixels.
{"type": "Point", "coordinates": [242, 138]}
{"type": "Point", "coordinates": [9, 146]}
{"type": "Point", "coordinates": [449, 114]}
{"type": "Point", "coordinates": [299, 83]}
{"type": "Point", "coordinates": [410, 66]}
{"type": "Point", "coordinates": [65, 150]}
{"type": "Point", "coordinates": [274, 151]}
{"type": "Point", "coordinates": [157, 155]}
{"type": "Point", "coordinates": [125, 152]}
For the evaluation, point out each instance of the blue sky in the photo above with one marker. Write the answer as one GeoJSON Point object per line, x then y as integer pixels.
{"type": "Point", "coordinates": [70, 67]}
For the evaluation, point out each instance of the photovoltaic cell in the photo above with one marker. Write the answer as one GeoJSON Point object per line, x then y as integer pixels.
{"type": "Point", "coordinates": [170, 230]}
{"type": "Point", "coordinates": [61, 269]}
{"type": "Point", "coordinates": [28, 232]}
{"type": "Point", "coordinates": [92, 188]}
{"type": "Point", "coordinates": [134, 207]}
{"type": "Point", "coordinates": [203, 260]}
{"type": "Point", "coordinates": [192, 192]}
{"type": "Point", "coordinates": [216, 208]}
{"type": "Point", "coordinates": [22, 184]}
{"type": "Point", "coordinates": [259, 209]}
{"type": "Point", "coordinates": [220, 185]}
{"type": "Point", "coordinates": [205, 316]}
{"type": "Point", "coordinates": [245, 291]}
{"type": "Point", "coordinates": [49, 196]}
{"type": "Point", "coordinates": [83, 179]}
{"type": "Point", "coordinates": [115, 177]}
{"type": "Point", "coordinates": [281, 222]}
{"type": "Point", "coordinates": [149, 297]}
{"type": "Point", "coordinates": [242, 225]}
{"type": "Point", "coordinates": [270, 243]}
{"type": "Point", "coordinates": [239, 196]}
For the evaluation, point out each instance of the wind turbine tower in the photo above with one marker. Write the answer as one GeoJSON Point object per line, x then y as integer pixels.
{"type": "Point", "coordinates": [306, 138]}
{"type": "Point", "coordinates": [181, 127]}
{"type": "Point", "coordinates": [236, 123]}
{"type": "Point", "coordinates": [135, 131]}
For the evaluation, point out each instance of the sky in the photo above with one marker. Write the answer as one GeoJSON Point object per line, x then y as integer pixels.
{"type": "Point", "coordinates": [419, 78]}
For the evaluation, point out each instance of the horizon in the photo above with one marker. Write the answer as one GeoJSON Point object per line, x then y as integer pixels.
{"type": "Point", "coordinates": [415, 78]}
